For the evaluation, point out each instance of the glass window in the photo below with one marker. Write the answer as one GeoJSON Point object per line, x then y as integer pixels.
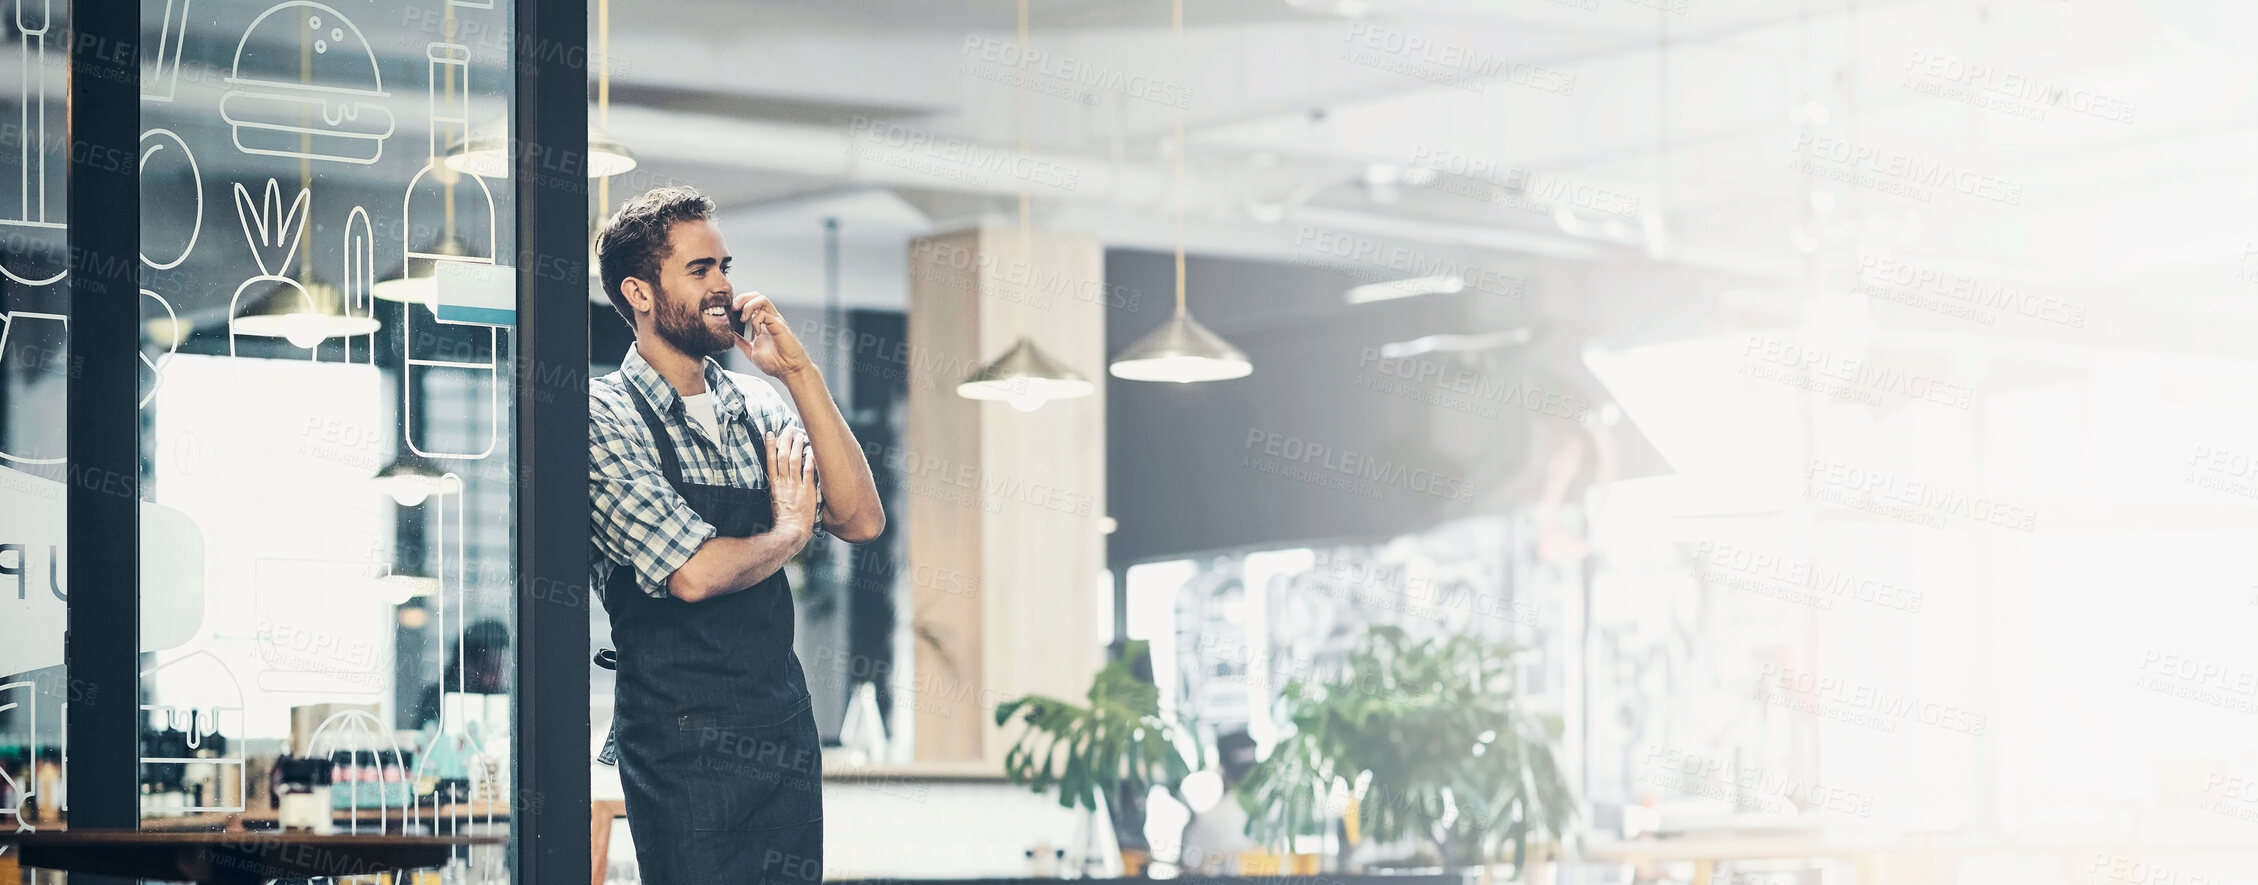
{"type": "Point", "coordinates": [328, 543]}
{"type": "Point", "coordinates": [34, 371]}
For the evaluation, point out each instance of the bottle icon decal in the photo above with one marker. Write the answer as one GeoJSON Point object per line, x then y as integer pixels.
{"type": "Point", "coordinates": [438, 351]}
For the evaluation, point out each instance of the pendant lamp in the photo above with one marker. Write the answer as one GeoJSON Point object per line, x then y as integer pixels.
{"type": "Point", "coordinates": [1181, 350]}
{"type": "Point", "coordinates": [421, 285]}
{"type": "Point", "coordinates": [1025, 376]}
{"type": "Point", "coordinates": [411, 480]}
{"type": "Point", "coordinates": [486, 153]}
{"type": "Point", "coordinates": [306, 314]}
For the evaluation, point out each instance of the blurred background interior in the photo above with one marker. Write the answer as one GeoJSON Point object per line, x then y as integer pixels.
{"type": "Point", "coordinates": [1617, 441]}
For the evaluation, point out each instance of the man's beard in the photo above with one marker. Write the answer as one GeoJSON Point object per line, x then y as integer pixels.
{"type": "Point", "coordinates": [684, 326]}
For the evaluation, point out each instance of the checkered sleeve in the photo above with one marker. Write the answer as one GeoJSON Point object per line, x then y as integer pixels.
{"type": "Point", "coordinates": [639, 521]}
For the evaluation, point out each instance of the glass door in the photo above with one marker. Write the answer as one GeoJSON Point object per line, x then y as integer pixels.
{"type": "Point", "coordinates": [328, 554]}
{"type": "Point", "coordinates": [35, 690]}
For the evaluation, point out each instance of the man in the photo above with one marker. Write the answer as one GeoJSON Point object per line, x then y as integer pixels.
{"type": "Point", "coordinates": [703, 486]}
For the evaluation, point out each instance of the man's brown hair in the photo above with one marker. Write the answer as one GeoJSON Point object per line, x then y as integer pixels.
{"type": "Point", "coordinates": [635, 240]}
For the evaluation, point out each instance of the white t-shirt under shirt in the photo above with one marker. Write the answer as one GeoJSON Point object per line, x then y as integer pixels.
{"type": "Point", "coordinates": [705, 412]}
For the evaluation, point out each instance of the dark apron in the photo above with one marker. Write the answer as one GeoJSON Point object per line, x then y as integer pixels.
{"type": "Point", "coordinates": [718, 751]}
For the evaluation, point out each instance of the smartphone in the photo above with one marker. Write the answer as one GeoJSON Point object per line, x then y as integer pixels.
{"type": "Point", "coordinates": [737, 322]}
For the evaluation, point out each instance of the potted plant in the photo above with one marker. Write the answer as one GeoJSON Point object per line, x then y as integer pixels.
{"type": "Point", "coordinates": [1108, 753]}
{"type": "Point", "coordinates": [1435, 743]}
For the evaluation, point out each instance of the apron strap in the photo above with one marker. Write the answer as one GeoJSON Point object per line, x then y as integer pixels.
{"type": "Point", "coordinates": [670, 462]}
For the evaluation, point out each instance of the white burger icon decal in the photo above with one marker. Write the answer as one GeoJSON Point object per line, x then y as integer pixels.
{"type": "Point", "coordinates": [337, 115]}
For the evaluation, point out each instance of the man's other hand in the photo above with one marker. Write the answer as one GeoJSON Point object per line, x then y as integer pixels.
{"type": "Point", "coordinates": [791, 479]}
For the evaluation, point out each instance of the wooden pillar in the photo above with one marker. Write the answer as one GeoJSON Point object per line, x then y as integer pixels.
{"type": "Point", "coordinates": [1002, 506]}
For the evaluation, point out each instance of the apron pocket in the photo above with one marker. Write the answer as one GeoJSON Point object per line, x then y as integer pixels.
{"type": "Point", "coordinates": [750, 775]}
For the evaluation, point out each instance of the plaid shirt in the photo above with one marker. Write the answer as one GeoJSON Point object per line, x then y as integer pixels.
{"type": "Point", "coordinates": [638, 521]}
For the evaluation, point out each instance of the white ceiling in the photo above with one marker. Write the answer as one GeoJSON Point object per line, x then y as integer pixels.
{"type": "Point", "coordinates": [1694, 115]}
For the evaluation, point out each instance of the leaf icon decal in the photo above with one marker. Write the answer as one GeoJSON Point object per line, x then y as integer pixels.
{"type": "Point", "coordinates": [272, 231]}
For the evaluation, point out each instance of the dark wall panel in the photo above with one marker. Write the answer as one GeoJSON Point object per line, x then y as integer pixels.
{"type": "Point", "coordinates": [1325, 439]}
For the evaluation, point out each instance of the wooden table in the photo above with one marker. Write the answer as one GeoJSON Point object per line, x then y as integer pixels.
{"type": "Point", "coordinates": [601, 813]}
{"type": "Point", "coordinates": [232, 858]}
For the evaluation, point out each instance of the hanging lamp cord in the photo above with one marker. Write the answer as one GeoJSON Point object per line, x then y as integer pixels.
{"type": "Point", "coordinates": [1026, 223]}
{"type": "Point", "coordinates": [1176, 22]}
{"type": "Point", "coordinates": [603, 92]}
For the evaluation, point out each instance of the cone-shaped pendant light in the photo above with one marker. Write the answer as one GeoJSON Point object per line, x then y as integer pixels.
{"type": "Point", "coordinates": [306, 314]}
{"type": "Point", "coordinates": [419, 282]}
{"type": "Point", "coordinates": [1025, 376]}
{"type": "Point", "coordinates": [411, 480]}
{"type": "Point", "coordinates": [1181, 350]}
{"type": "Point", "coordinates": [486, 153]}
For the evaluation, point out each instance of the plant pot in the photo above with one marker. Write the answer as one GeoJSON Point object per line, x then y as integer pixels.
{"type": "Point", "coordinates": [1134, 861]}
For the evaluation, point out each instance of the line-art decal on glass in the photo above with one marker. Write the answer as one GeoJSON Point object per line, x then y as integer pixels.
{"type": "Point", "coordinates": [273, 233]}
{"type": "Point", "coordinates": [455, 752]}
{"type": "Point", "coordinates": [198, 732]}
{"type": "Point", "coordinates": [165, 148]}
{"type": "Point", "coordinates": [438, 342]}
{"type": "Point", "coordinates": [340, 116]}
{"type": "Point", "coordinates": [459, 205]}
{"type": "Point", "coordinates": [19, 793]}
{"type": "Point", "coordinates": [481, 372]}
{"type": "Point", "coordinates": [160, 72]}
{"type": "Point", "coordinates": [32, 247]}
{"type": "Point", "coordinates": [359, 278]}
{"type": "Point", "coordinates": [464, 203]}
{"type": "Point", "coordinates": [171, 342]}
{"type": "Point", "coordinates": [367, 772]}
{"type": "Point", "coordinates": [35, 588]}
{"type": "Point", "coordinates": [34, 345]}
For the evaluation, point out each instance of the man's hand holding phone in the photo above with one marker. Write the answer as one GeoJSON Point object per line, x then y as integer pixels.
{"type": "Point", "coordinates": [849, 509]}
{"type": "Point", "coordinates": [764, 338]}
